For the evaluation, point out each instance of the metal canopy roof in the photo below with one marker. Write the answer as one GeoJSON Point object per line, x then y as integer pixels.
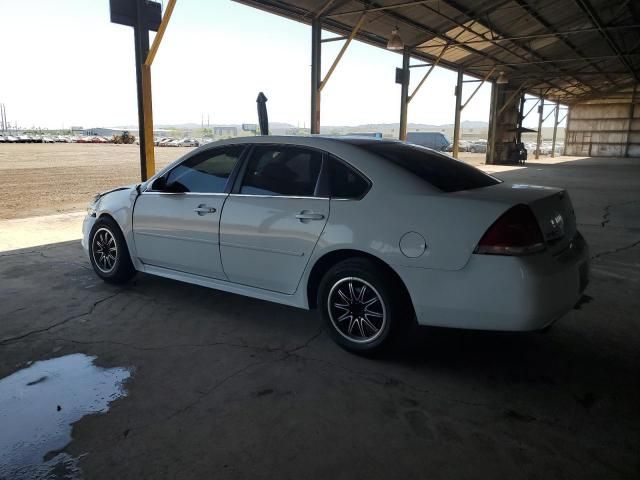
{"type": "Point", "coordinates": [567, 50]}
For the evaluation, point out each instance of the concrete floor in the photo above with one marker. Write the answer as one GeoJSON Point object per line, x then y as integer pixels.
{"type": "Point", "coordinates": [228, 387]}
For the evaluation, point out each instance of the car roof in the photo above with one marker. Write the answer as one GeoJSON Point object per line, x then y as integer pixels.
{"type": "Point", "coordinates": [320, 141]}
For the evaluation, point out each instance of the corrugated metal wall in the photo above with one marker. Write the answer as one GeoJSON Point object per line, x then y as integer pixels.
{"type": "Point", "coordinates": [606, 128]}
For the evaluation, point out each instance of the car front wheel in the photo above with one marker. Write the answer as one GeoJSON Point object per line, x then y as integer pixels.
{"type": "Point", "coordinates": [108, 252]}
{"type": "Point", "coordinates": [362, 312]}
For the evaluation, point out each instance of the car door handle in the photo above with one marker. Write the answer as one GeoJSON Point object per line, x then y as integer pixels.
{"type": "Point", "coordinates": [203, 210]}
{"type": "Point", "coordinates": [309, 216]}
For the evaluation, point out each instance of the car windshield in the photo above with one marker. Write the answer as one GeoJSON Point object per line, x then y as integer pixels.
{"type": "Point", "coordinates": [445, 173]}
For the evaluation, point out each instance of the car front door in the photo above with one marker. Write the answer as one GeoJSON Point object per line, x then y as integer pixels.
{"type": "Point", "coordinates": [272, 220]}
{"type": "Point", "coordinates": [176, 223]}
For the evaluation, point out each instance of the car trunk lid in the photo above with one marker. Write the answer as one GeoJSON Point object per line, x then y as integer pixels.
{"type": "Point", "coordinates": [552, 208]}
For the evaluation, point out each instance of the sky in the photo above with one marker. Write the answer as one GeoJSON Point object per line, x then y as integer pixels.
{"type": "Point", "coordinates": [63, 63]}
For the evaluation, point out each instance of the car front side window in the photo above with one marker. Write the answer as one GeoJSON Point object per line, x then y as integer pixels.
{"type": "Point", "coordinates": [282, 171]}
{"type": "Point", "coordinates": [207, 172]}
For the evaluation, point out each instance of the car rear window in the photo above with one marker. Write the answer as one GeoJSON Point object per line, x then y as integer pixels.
{"type": "Point", "coordinates": [444, 173]}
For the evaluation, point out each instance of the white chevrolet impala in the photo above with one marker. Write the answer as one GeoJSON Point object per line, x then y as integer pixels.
{"type": "Point", "coordinates": [375, 234]}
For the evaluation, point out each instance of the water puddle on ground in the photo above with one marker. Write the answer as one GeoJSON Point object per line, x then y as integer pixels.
{"type": "Point", "coordinates": [38, 406]}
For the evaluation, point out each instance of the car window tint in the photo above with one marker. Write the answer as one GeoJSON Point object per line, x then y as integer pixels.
{"type": "Point", "coordinates": [344, 181]}
{"type": "Point", "coordinates": [443, 172]}
{"type": "Point", "coordinates": [205, 173]}
{"type": "Point", "coordinates": [282, 171]}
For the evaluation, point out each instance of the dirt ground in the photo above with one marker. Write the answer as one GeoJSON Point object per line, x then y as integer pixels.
{"type": "Point", "coordinates": [46, 179]}
{"type": "Point", "coordinates": [42, 179]}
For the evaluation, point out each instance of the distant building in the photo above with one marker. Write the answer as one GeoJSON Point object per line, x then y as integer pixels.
{"type": "Point", "coordinates": [109, 132]}
{"type": "Point", "coordinates": [100, 132]}
{"type": "Point", "coordinates": [225, 131]}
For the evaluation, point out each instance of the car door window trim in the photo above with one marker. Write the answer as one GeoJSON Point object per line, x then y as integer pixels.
{"type": "Point", "coordinates": [326, 181]}
{"type": "Point", "coordinates": [299, 197]}
{"type": "Point", "coordinates": [194, 194]}
{"type": "Point", "coordinates": [211, 152]}
{"type": "Point", "coordinates": [248, 155]}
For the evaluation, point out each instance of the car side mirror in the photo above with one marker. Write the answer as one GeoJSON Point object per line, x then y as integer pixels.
{"type": "Point", "coordinates": [160, 184]}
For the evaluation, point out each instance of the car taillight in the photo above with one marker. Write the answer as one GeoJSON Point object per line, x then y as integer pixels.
{"type": "Point", "coordinates": [516, 232]}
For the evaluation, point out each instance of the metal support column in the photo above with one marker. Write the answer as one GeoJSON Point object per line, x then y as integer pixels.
{"type": "Point", "coordinates": [632, 110]}
{"type": "Point", "coordinates": [555, 130]}
{"type": "Point", "coordinates": [456, 124]}
{"type": "Point", "coordinates": [490, 157]}
{"type": "Point", "coordinates": [567, 129]}
{"type": "Point", "coordinates": [316, 57]}
{"type": "Point", "coordinates": [520, 119]}
{"type": "Point", "coordinates": [404, 95]}
{"type": "Point", "coordinates": [141, 35]}
{"type": "Point", "coordinates": [540, 119]}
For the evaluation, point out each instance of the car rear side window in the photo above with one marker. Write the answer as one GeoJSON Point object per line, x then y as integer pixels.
{"type": "Point", "coordinates": [282, 171]}
{"type": "Point", "coordinates": [207, 172]}
{"type": "Point", "coordinates": [344, 181]}
{"type": "Point", "coordinates": [444, 173]}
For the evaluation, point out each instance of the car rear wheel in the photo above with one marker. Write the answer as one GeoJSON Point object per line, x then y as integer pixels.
{"type": "Point", "coordinates": [362, 312]}
{"type": "Point", "coordinates": [108, 252]}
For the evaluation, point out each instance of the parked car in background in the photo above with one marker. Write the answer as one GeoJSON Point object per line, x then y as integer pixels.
{"type": "Point", "coordinates": [463, 146]}
{"type": "Point", "coordinates": [187, 142]}
{"type": "Point", "coordinates": [478, 146]}
{"type": "Point", "coordinates": [545, 149]}
{"type": "Point", "coordinates": [375, 234]}
{"type": "Point", "coordinates": [165, 142]}
{"type": "Point", "coordinates": [435, 140]}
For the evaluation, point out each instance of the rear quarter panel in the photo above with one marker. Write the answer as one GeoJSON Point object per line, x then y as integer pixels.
{"type": "Point", "coordinates": [451, 227]}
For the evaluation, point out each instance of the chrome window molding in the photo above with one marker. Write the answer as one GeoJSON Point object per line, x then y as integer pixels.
{"type": "Point", "coordinates": [298, 197]}
{"type": "Point", "coordinates": [195, 194]}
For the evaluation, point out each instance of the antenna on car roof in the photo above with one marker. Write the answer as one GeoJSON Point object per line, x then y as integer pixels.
{"type": "Point", "coordinates": [263, 117]}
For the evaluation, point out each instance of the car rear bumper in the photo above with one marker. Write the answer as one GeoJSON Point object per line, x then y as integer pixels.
{"type": "Point", "coordinates": [494, 292]}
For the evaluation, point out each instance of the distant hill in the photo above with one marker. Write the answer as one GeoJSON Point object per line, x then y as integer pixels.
{"type": "Point", "coordinates": [370, 127]}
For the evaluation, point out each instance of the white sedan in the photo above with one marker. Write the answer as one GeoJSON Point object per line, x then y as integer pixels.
{"type": "Point", "coordinates": [375, 234]}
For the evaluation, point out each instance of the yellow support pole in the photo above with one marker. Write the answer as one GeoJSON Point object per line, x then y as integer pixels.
{"type": "Point", "coordinates": [161, 29]}
{"type": "Point", "coordinates": [353, 34]}
{"type": "Point", "coordinates": [478, 88]}
{"type": "Point", "coordinates": [150, 167]}
{"type": "Point", "coordinates": [424, 79]}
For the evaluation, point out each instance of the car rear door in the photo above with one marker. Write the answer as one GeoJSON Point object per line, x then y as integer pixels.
{"type": "Point", "coordinates": [176, 223]}
{"type": "Point", "coordinates": [272, 220]}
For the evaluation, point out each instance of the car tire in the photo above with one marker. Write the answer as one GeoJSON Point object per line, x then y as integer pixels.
{"type": "Point", "coordinates": [472, 150]}
{"type": "Point", "coordinates": [364, 322]}
{"type": "Point", "coordinates": [108, 252]}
